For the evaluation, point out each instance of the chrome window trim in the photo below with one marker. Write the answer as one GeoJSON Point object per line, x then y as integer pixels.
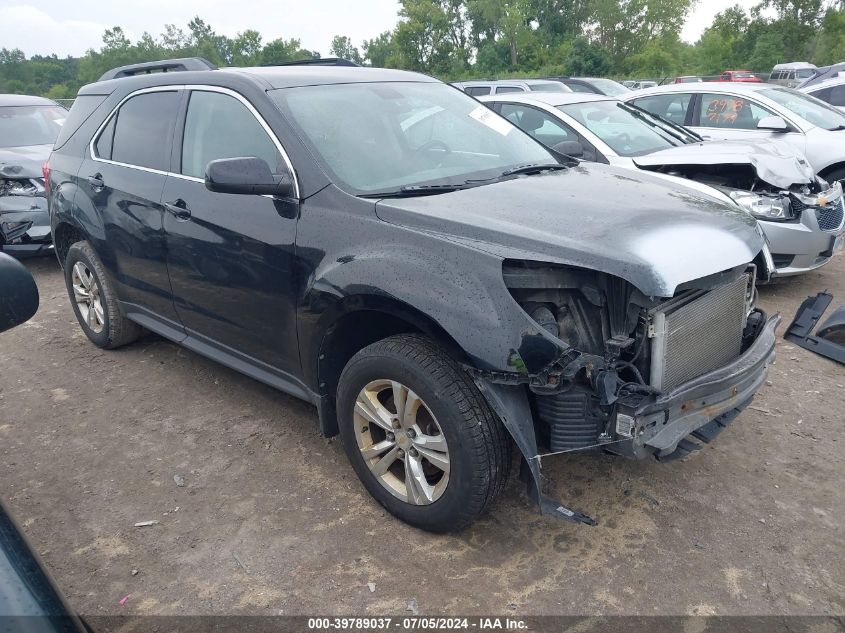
{"type": "Point", "coordinates": [191, 87]}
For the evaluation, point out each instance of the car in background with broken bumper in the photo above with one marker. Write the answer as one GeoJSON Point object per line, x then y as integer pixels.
{"type": "Point", "coordinates": [801, 214]}
{"type": "Point", "coordinates": [28, 128]}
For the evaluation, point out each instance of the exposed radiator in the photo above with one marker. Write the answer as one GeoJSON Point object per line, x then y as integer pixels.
{"type": "Point", "coordinates": [697, 333]}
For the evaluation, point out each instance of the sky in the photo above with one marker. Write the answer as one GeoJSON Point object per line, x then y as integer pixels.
{"type": "Point", "coordinates": [71, 28]}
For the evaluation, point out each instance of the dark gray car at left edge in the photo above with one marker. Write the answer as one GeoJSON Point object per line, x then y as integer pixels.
{"type": "Point", "coordinates": [28, 128]}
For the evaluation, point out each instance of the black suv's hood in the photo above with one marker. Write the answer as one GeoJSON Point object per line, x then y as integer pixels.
{"type": "Point", "coordinates": [23, 162]}
{"type": "Point", "coordinates": [654, 234]}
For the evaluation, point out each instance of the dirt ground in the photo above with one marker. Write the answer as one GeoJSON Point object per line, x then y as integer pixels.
{"type": "Point", "coordinates": [271, 519]}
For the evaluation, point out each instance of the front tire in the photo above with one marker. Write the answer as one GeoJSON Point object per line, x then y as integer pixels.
{"type": "Point", "coordinates": [94, 300]}
{"type": "Point", "coordinates": [420, 435]}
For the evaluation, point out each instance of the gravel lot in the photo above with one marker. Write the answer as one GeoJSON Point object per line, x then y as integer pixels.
{"type": "Point", "coordinates": [271, 518]}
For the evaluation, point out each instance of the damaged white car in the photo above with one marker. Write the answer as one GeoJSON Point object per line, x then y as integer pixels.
{"type": "Point", "coordinates": [28, 128]}
{"type": "Point", "coordinates": [801, 214]}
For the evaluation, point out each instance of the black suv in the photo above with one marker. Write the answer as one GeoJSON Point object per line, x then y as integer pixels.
{"type": "Point", "coordinates": [437, 283]}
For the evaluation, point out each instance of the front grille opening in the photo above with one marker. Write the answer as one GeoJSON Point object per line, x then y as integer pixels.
{"type": "Point", "coordinates": [830, 217]}
{"type": "Point", "coordinates": [782, 261]}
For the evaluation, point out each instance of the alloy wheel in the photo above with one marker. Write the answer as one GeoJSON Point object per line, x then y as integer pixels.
{"type": "Point", "coordinates": [86, 293]}
{"type": "Point", "coordinates": [401, 442]}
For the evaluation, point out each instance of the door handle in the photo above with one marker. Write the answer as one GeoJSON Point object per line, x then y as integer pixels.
{"type": "Point", "coordinates": [96, 181]}
{"type": "Point", "coordinates": [178, 209]}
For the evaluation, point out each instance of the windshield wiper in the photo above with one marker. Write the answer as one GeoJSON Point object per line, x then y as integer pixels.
{"type": "Point", "coordinates": [427, 190]}
{"type": "Point", "coordinates": [416, 190]}
{"type": "Point", "coordinates": [674, 130]}
{"type": "Point", "coordinates": [532, 169]}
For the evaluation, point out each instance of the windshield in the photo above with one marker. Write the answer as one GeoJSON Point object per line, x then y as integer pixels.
{"type": "Point", "coordinates": [744, 75]}
{"type": "Point", "coordinates": [378, 137]}
{"type": "Point", "coordinates": [805, 73]}
{"type": "Point", "coordinates": [30, 125]}
{"type": "Point", "coordinates": [808, 108]}
{"type": "Point", "coordinates": [609, 87]}
{"type": "Point", "coordinates": [627, 131]}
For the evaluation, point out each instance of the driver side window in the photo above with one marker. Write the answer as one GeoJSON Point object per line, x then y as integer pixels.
{"type": "Point", "coordinates": [547, 129]}
{"type": "Point", "coordinates": [729, 111]}
{"type": "Point", "coordinates": [218, 125]}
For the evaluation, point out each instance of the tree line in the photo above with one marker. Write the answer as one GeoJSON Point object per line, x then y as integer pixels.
{"type": "Point", "coordinates": [457, 39]}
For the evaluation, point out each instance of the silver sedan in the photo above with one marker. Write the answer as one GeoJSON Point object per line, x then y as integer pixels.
{"type": "Point", "coordinates": [801, 215]}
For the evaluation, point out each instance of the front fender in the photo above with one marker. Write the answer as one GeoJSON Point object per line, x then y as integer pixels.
{"type": "Point", "coordinates": [460, 289]}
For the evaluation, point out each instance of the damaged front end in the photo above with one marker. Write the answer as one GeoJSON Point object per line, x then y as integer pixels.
{"type": "Point", "coordinates": [802, 216]}
{"type": "Point", "coordinates": [638, 376]}
{"type": "Point", "coordinates": [24, 218]}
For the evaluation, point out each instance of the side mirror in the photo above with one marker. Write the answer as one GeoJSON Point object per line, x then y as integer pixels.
{"type": "Point", "coordinates": [570, 148]}
{"type": "Point", "coordinates": [773, 124]}
{"type": "Point", "coordinates": [246, 175]}
{"type": "Point", "coordinates": [18, 293]}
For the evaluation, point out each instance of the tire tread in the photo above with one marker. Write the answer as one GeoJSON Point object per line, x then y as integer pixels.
{"type": "Point", "coordinates": [120, 331]}
{"type": "Point", "coordinates": [488, 438]}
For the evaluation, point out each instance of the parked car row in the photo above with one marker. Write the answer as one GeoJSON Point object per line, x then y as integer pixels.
{"type": "Point", "coordinates": [814, 130]}
{"type": "Point", "coordinates": [759, 144]}
{"type": "Point", "coordinates": [755, 112]}
{"type": "Point", "coordinates": [776, 186]}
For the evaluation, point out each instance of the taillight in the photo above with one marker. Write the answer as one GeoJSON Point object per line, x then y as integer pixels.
{"type": "Point", "coordinates": [45, 170]}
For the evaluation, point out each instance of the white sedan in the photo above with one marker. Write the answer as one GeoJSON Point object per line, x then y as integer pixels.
{"type": "Point", "coordinates": [801, 214]}
{"type": "Point", "coordinates": [755, 112]}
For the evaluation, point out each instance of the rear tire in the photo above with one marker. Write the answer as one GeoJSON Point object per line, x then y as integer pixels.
{"type": "Point", "coordinates": [450, 441]}
{"type": "Point", "coordinates": [94, 300]}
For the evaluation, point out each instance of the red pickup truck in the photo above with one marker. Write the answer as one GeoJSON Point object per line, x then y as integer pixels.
{"type": "Point", "coordinates": [743, 76]}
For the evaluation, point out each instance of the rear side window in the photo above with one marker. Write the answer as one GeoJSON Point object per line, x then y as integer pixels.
{"type": "Point", "coordinates": [83, 107]}
{"type": "Point", "coordinates": [141, 131]}
{"type": "Point", "coordinates": [477, 91]}
{"type": "Point", "coordinates": [504, 89]}
{"type": "Point", "coordinates": [103, 146]}
{"type": "Point", "coordinates": [220, 126]}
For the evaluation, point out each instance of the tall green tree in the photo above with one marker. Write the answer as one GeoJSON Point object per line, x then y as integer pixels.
{"type": "Point", "coordinates": [342, 47]}
{"type": "Point", "coordinates": [381, 51]}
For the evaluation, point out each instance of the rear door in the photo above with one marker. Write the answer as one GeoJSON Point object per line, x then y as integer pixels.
{"type": "Point", "coordinates": [230, 257]}
{"type": "Point", "coordinates": [121, 181]}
